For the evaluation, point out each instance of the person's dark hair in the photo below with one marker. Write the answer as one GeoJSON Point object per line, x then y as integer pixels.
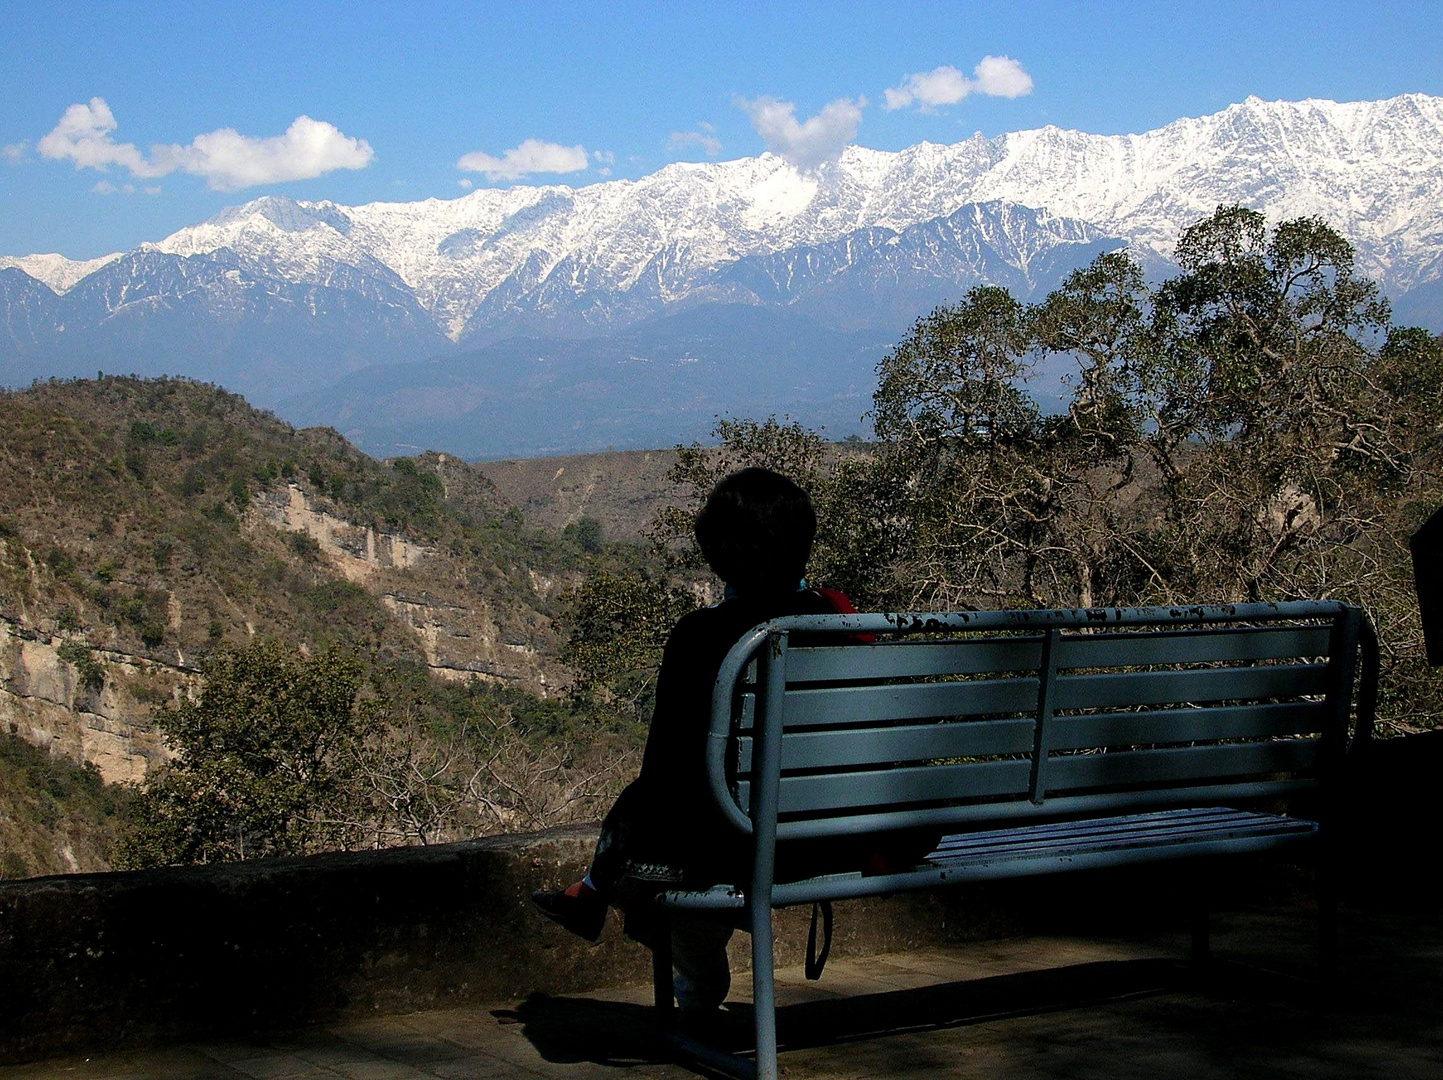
{"type": "Point", "coordinates": [756, 530]}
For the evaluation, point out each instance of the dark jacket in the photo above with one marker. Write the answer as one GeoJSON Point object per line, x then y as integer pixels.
{"type": "Point", "coordinates": [673, 779]}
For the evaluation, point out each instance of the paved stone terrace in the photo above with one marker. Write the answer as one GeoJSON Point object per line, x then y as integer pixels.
{"type": "Point", "coordinates": [1022, 1008]}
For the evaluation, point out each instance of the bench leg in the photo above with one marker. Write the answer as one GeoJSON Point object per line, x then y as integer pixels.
{"type": "Point", "coordinates": [764, 997]}
{"type": "Point", "coordinates": [661, 978]}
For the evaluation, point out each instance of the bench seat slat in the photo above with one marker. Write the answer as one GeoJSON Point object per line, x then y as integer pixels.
{"type": "Point", "coordinates": [1158, 768]}
{"type": "Point", "coordinates": [910, 742]}
{"type": "Point", "coordinates": [1040, 849]}
{"type": "Point", "coordinates": [914, 701]}
{"type": "Point", "coordinates": [1185, 725]}
{"type": "Point", "coordinates": [1121, 834]}
{"type": "Point", "coordinates": [1020, 809]}
{"type": "Point", "coordinates": [913, 659]}
{"type": "Point", "coordinates": [1191, 647]}
{"type": "Point", "coordinates": [1172, 687]}
{"type": "Point", "coordinates": [1080, 826]}
{"type": "Point", "coordinates": [1136, 829]}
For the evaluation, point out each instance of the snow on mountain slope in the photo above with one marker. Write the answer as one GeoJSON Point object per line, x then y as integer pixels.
{"type": "Point", "coordinates": [56, 271]}
{"type": "Point", "coordinates": [1373, 169]}
{"type": "Point", "coordinates": [624, 249]}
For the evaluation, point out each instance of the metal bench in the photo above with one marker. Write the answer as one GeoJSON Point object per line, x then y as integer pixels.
{"type": "Point", "coordinates": [1047, 741]}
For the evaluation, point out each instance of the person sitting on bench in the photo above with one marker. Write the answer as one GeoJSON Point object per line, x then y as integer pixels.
{"type": "Point", "coordinates": [755, 531]}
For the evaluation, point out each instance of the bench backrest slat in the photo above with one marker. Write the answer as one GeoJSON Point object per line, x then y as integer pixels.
{"type": "Point", "coordinates": [1171, 648]}
{"type": "Point", "coordinates": [889, 745]}
{"type": "Point", "coordinates": [899, 659]}
{"type": "Point", "coordinates": [1175, 687]}
{"type": "Point", "coordinates": [1186, 725]}
{"type": "Point", "coordinates": [923, 784]}
{"type": "Point", "coordinates": [920, 784]}
{"type": "Point", "coordinates": [1135, 768]}
{"type": "Point", "coordinates": [811, 706]}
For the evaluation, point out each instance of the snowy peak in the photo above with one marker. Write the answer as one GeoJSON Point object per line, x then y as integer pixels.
{"type": "Point", "coordinates": [287, 215]}
{"type": "Point", "coordinates": [613, 252]}
{"type": "Point", "coordinates": [1375, 169]}
{"type": "Point", "coordinates": [56, 271]}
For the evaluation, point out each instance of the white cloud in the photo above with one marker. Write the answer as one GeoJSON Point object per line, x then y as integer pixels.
{"type": "Point", "coordinates": [227, 159]}
{"type": "Point", "coordinates": [1001, 76]}
{"type": "Point", "coordinates": [532, 156]}
{"type": "Point", "coordinates": [14, 153]}
{"type": "Point", "coordinates": [465, 184]}
{"type": "Point", "coordinates": [940, 86]}
{"type": "Point", "coordinates": [83, 136]}
{"type": "Point", "coordinates": [230, 160]}
{"type": "Point", "coordinates": [604, 159]}
{"type": "Point", "coordinates": [709, 143]}
{"type": "Point", "coordinates": [995, 76]}
{"type": "Point", "coordinates": [805, 143]}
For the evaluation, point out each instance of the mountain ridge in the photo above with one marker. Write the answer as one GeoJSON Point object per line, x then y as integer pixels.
{"type": "Point", "coordinates": [278, 298]}
{"type": "Point", "coordinates": [762, 203]}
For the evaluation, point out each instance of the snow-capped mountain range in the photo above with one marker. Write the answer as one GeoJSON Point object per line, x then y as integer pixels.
{"type": "Point", "coordinates": [277, 297]}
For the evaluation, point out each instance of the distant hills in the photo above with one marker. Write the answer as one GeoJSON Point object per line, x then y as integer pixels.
{"type": "Point", "coordinates": [551, 319]}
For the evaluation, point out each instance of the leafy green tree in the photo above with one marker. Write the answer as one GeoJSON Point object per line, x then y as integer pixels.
{"type": "Point", "coordinates": [956, 377]}
{"type": "Point", "coordinates": [588, 534]}
{"type": "Point", "coordinates": [267, 756]}
{"type": "Point", "coordinates": [617, 623]}
{"type": "Point", "coordinates": [979, 488]}
{"type": "Point", "coordinates": [1266, 424]}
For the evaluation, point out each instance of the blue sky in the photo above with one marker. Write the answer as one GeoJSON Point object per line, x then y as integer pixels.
{"type": "Point", "coordinates": [122, 122]}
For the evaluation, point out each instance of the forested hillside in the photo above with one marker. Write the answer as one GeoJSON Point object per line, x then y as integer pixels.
{"type": "Point", "coordinates": [147, 526]}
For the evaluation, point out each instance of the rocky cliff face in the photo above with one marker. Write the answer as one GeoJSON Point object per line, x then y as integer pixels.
{"type": "Point", "coordinates": [356, 551]}
{"type": "Point", "coordinates": [459, 630]}
{"type": "Point", "coordinates": [45, 700]}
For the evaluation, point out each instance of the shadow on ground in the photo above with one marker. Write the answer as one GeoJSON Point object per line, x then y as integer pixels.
{"type": "Point", "coordinates": [567, 1030]}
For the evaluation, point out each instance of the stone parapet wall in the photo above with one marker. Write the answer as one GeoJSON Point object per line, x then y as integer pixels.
{"type": "Point", "coordinates": [95, 961]}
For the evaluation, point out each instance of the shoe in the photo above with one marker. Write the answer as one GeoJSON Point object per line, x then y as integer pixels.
{"type": "Point", "coordinates": [583, 913]}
